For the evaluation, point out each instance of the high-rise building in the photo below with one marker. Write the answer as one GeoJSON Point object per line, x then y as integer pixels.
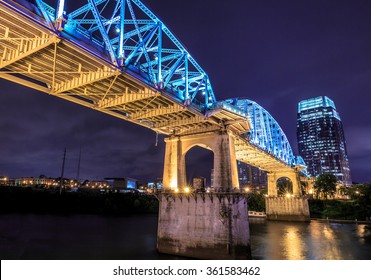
{"type": "Point", "coordinates": [321, 140]}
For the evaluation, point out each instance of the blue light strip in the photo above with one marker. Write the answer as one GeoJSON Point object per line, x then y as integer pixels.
{"type": "Point", "coordinates": [106, 39]}
{"type": "Point", "coordinates": [60, 9]}
{"type": "Point", "coordinates": [122, 32]}
{"type": "Point", "coordinates": [43, 9]}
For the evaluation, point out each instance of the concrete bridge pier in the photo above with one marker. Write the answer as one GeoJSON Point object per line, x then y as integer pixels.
{"type": "Point", "coordinates": [203, 225]}
{"type": "Point", "coordinates": [291, 207]}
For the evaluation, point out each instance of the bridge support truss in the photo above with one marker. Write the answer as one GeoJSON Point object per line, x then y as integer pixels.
{"type": "Point", "coordinates": [203, 225]}
{"type": "Point", "coordinates": [290, 207]}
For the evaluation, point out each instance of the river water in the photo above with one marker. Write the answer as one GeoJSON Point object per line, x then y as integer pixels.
{"type": "Point", "coordinates": [87, 237]}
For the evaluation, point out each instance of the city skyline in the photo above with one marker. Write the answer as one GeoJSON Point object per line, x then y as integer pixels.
{"type": "Point", "coordinates": [273, 53]}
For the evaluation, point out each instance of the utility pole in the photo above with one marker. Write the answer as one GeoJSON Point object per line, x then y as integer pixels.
{"type": "Point", "coordinates": [61, 184]}
{"type": "Point", "coordinates": [78, 169]}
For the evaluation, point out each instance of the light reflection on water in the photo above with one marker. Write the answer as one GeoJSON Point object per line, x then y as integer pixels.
{"type": "Point", "coordinates": [292, 242]}
{"type": "Point", "coordinates": [134, 237]}
{"type": "Point", "coordinates": [309, 241]}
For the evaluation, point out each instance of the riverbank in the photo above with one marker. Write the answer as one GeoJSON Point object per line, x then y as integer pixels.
{"type": "Point", "coordinates": [342, 221]}
{"type": "Point", "coordinates": [28, 200]}
{"type": "Point", "coordinates": [339, 210]}
{"type": "Point", "coordinates": [106, 202]}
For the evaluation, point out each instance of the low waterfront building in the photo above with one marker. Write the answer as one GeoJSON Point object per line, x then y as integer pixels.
{"type": "Point", "coordinates": [199, 184]}
{"type": "Point", "coordinates": [122, 184]}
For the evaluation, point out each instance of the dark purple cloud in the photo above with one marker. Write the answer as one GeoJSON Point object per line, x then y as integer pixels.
{"type": "Point", "coordinates": [273, 52]}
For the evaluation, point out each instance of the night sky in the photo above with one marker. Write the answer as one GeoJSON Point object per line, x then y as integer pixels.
{"type": "Point", "coordinates": [273, 52]}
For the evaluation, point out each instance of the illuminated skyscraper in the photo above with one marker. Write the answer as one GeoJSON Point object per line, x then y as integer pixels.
{"type": "Point", "coordinates": [321, 140]}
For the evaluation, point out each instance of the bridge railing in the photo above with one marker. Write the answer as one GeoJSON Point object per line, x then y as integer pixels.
{"type": "Point", "coordinates": [229, 107]}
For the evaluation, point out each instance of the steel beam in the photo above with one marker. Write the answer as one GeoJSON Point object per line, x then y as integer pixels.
{"type": "Point", "coordinates": [103, 32]}
{"type": "Point", "coordinates": [150, 113]}
{"type": "Point", "coordinates": [85, 79]}
{"type": "Point", "coordinates": [183, 122]}
{"type": "Point", "coordinates": [25, 51]}
{"type": "Point", "coordinates": [125, 98]}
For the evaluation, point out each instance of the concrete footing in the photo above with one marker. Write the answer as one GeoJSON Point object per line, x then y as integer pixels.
{"type": "Point", "coordinates": [287, 209]}
{"type": "Point", "coordinates": [204, 226]}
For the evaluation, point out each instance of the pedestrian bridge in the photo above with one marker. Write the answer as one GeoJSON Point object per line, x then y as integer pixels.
{"type": "Point", "coordinates": [119, 58]}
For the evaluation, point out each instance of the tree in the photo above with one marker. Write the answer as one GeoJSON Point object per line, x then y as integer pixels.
{"type": "Point", "coordinates": [256, 201]}
{"type": "Point", "coordinates": [361, 194]}
{"type": "Point", "coordinates": [325, 184]}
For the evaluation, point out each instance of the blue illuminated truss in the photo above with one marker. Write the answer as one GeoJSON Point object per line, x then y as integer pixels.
{"type": "Point", "coordinates": [136, 40]}
{"type": "Point", "coordinates": [265, 132]}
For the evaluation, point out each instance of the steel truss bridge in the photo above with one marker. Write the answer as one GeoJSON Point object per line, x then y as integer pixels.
{"type": "Point", "coordinates": [118, 57]}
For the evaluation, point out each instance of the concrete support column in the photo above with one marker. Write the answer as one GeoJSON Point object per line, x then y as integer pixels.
{"type": "Point", "coordinates": [296, 188]}
{"type": "Point", "coordinates": [225, 163]}
{"type": "Point", "coordinates": [272, 184]}
{"type": "Point", "coordinates": [213, 226]}
{"type": "Point", "coordinates": [286, 208]}
{"type": "Point", "coordinates": [174, 165]}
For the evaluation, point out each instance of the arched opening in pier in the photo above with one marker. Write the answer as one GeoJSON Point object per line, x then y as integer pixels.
{"type": "Point", "coordinates": [284, 187]}
{"type": "Point", "coordinates": [199, 164]}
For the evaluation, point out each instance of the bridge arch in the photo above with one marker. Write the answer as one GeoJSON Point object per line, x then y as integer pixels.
{"type": "Point", "coordinates": [225, 163]}
{"type": "Point", "coordinates": [199, 161]}
{"type": "Point", "coordinates": [265, 132]}
{"type": "Point", "coordinates": [292, 177]}
{"type": "Point", "coordinates": [284, 186]}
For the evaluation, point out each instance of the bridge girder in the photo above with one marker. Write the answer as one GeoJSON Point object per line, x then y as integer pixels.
{"type": "Point", "coordinates": [179, 123]}
{"type": "Point", "coordinates": [126, 98]}
{"type": "Point", "coordinates": [150, 113]}
{"type": "Point", "coordinates": [85, 79]}
{"type": "Point", "coordinates": [27, 47]}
